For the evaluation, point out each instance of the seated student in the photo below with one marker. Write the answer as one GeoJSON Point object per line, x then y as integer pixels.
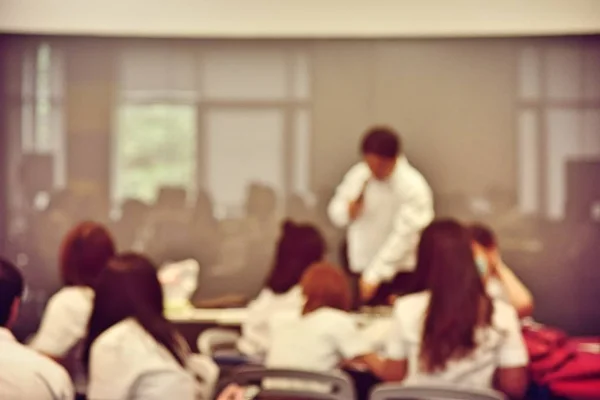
{"type": "Point", "coordinates": [299, 246]}
{"type": "Point", "coordinates": [131, 351]}
{"type": "Point", "coordinates": [453, 333]}
{"type": "Point", "coordinates": [502, 283]}
{"type": "Point", "coordinates": [24, 373]}
{"type": "Point", "coordinates": [84, 253]}
{"type": "Point", "coordinates": [321, 336]}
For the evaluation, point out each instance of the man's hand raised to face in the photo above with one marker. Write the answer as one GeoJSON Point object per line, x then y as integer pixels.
{"type": "Point", "coordinates": [355, 208]}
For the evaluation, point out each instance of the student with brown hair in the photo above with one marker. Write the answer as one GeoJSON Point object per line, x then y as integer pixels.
{"type": "Point", "coordinates": [453, 332]}
{"type": "Point", "coordinates": [322, 335]}
{"type": "Point", "coordinates": [84, 253]}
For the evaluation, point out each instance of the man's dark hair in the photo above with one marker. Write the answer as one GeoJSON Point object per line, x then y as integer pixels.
{"type": "Point", "coordinates": [381, 141]}
{"type": "Point", "coordinates": [11, 288]}
{"type": "Point", "coordinates": [483, 235]}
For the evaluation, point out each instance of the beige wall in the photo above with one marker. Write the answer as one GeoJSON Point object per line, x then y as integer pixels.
{"type": "Point", "coordinates": [89, 114]}
{"type": "Point", "coordinates": [453, 102]}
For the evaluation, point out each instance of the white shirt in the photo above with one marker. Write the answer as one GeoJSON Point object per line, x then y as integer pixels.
{"type": "Point", "coordinates": [384, 237]}
{"type": "Point", "coordinates": [255, 328]}
{"type": "Point", "coordinates": [499, 346]}
{"type": "Point", "coordinates": [127, 363]}
{"type": "Point", "coordinates": [65, 321]}
{"type": "Point", "coordinates": [63, 328]}
{"type": "Point", "coordinates": [318, 341]}
{"type": "Point", "coordinates": [496, 290]}
{"type": "Point", "coordinates": [27, 375]}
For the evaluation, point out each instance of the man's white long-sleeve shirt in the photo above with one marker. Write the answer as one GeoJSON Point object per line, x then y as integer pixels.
{"type": "Point", "coordinates": [383, 239]}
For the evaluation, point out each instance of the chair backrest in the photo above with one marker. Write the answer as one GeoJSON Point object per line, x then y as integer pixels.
{"type": "Point", "coordinates": [206, 374]}
{"type": "Point", "coordinates": [292, 384]}
{"type": "Point", "coordinates": [217, 339]}
{"type": "Point", "coordinates": [394, 391]}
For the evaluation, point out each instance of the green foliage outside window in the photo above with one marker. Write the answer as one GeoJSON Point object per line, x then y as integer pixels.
{"type": "Point", "coordinates": [156, 147]}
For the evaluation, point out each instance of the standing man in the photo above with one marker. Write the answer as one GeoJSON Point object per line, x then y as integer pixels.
{"type": "Point", "coordinates": [385, 203]}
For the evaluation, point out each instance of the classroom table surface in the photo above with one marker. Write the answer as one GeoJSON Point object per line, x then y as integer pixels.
{"type": "Point", "coordinates": [191, 322]}
{"type": "Point", "coordinates": [236, 316]}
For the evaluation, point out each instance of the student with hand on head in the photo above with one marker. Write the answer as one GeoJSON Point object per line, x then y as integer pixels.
{"type": "Point", "coordinates": [299, 246]}
{"type": "Point", "coordinates": [24, 373]}
{"type": "Point", "coordinates": [384, 202]}
{"type": "Point", "coordinates": [453, 333]}
{"type": "Point", "coordinates": [501, 282]}
{"type": "Point", "coordinates": [131, 351]}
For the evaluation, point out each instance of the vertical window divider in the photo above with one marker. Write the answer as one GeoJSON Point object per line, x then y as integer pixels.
{"type": "Point", "coordinates": [289, 155]}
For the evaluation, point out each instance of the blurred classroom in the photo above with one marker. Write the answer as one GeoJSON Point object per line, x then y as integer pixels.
{"type": "Point", "coordinates": [192, 129]}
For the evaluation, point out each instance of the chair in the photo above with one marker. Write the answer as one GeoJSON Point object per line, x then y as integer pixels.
{"type": "Point", "coordinates": [206, 374]}
{"type": "Point", "coordinates": [214, 339]}
{"type": "Point", "coordinates": [284, 384]}
{"type": "Point", "coordinates": [395, 391]}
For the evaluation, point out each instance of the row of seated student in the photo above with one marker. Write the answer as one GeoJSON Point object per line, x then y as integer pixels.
{"type": "Point", "coordinates": [169, 230]}
{"type": "Point", "coordinates": [460, 326]}
{"type": "Point", "coordinates": [106, 326]}
{"type": "Point", "coordinates": [109, 314]}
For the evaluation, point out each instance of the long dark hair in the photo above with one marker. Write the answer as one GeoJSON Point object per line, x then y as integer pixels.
{"type": "Point", "coordinates": [458, 304]}
{"type": "Point", "coordinates": [129, 288]}
{"type": "Point", "coordinates": [299, 246]}
{"type": "Point", "coordinates": [425, 250]}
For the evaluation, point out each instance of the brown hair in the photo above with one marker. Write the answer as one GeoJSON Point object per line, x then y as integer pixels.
{"type": "Point", "coordinates": [484, 236]}
{"type": "Point", "coordinates": [84, 253]}
{"type": "Point", "coordinates": [325, 285]}
{"type": "Point", "coordinates": [458, 304]}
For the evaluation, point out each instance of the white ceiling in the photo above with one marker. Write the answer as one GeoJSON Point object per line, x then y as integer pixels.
{"type": "Point", "coordinates": [300, 18]}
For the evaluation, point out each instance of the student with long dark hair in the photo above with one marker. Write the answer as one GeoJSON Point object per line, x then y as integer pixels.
{"type": "Point", "coordinates": [299, 246]}
{"type": "Point", "coordinates": [453, 332]}
{"type": "Point", "coordinates": [131, 351]}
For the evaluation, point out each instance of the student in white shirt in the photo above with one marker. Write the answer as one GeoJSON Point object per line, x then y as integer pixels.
{"type": "Point", "coordinates": [24, 373]}
{"type": "Point", "coordinates": [322, 336]}
{"type": "Point", "coordinates": [131, 351]}
{"type": "Point", "coordinates": [84, 253]}
{"type": "Point", "coordinates": [453, 333]}
{"type": "Point", "coordinates": [385, 203]}
{"type": "Point", "coordinates": [299, 246]}
{"type": "Point", "coordinates": [502, 283]}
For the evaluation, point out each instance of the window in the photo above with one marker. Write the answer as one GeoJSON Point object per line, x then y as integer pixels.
{"type": "Point", "coordinates": [213, 117]}
{"type": "Point", "coordinates": [558, 120]}
{"type": "Point", "coordinates": [156, 147]}
{"type": "Point", "coordinates": [256, 123]}
{"type": "Point", "coordinates": [156, 129]}
{"type": "Point", "coordinates": [42, 98]}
